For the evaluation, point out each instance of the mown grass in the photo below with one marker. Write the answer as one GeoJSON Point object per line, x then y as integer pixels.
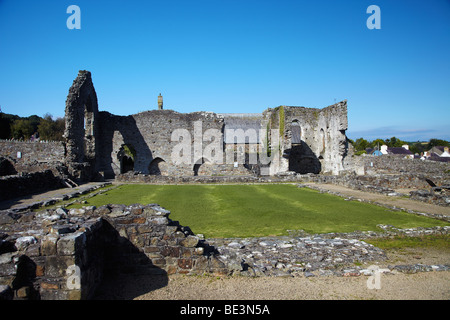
{"type": "Point", "coordinates": [260, 210]}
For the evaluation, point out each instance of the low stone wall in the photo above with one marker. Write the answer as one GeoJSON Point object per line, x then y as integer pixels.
{"type": "Point", "coordinates": [380, 182]}
{"type": "Point", "coordinates": [28, 183]}
{"type": "Point", "coordinates": [441, 198]}
{"type": "Point", "coordinates": [32, 151]}
{"type": "Point", "coordinates": [64, 254]}
{"type": "Point", "coordinates": [395, 165]}
{"type": "Point", "coordinates": [133, 177]}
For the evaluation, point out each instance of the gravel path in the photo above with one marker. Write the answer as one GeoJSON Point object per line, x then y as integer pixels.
{"type": "Point", "coordinates": [384, 199]}
{"type": "Point", "coordinates": [422, 286]}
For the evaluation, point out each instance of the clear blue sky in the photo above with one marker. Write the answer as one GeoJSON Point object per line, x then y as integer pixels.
{"type": "Point", "coordinates": [236, 56]}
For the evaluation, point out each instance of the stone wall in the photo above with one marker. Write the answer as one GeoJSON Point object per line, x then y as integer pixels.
{"type": "Point", "coordinates": [392, 164]}
{"type": "Point", "coordinates": [311, 140]}
{"type": "Point", "coordinates": [31, 152]}
{"type": "Point", "coordinates": [81, 119]}
{"type": "Point", "coordinates": [27, 167]}
{"type": "Point", "coordinates": [149, 142]}
{"type": "Point", "coordinates": [66, 254]}
{"type": "Point", "coordinates": [27, 183]}
{"type": "Point", "coordinates": [149, 136]}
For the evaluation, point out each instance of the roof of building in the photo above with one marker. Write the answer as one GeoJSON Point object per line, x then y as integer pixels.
{"type": "Point", "coordinates": [437, 149]}
{"type": "Point", "coordinates": [398, 150]}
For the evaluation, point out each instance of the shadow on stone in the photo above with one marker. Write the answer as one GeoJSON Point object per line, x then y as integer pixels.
{"type": "Point", "coordinates": [127, 271]}
{"type": "Point", "coordinates": [303, 160]}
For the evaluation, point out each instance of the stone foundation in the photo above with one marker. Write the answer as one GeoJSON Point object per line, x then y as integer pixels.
{"type": "Point", "coordinates": [24, 184]}
{"type": "Point", "coordinates": [64, 255]}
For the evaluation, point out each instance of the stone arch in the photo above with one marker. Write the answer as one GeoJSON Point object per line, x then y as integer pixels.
{"type": "Point", "coordinates": [158, 167]}
{"type": "Point", "coordinates": [126, 164]}
{"type": "Point", "coordinates": [200, 166]}
{"type": "Point", "coordinates": [81, 126]}
{"type": "Point", "coordinates": [321, 143]}
{"type": "Point", "coordinates": [126, 157]}
{"type": "Point", "coordinates": [296, 133]}
{"type": "Point", "coordinates": [6, 167]}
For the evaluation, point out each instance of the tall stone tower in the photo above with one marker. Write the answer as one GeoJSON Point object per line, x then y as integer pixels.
{"type": "Point", "coordinates": [160, 102]}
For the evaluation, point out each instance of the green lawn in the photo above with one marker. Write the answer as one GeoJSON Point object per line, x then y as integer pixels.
{"type": "Point", "coordinates": [260, 210]}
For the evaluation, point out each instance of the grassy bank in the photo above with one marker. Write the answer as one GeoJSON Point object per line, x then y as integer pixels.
{"type": "Point", "coordinates": [260, 210]}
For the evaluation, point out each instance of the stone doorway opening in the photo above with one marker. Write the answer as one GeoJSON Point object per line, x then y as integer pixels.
{"type": "Point", "coordinates": [126, 156]}
{"type": "Point", "coordinates": [158, 167]}
{"type": "Point", "coordinates": [127, 164]}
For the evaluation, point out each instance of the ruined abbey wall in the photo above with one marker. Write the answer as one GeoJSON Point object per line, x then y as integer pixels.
{"type": "Point", "coordinates": [311, 140]}
{"type": "Point", "coordinates": [27, 167]}
{"type": "Point", "coordinates": [147, 140]}
{"type": "Point", "coordinates": [24, 152]}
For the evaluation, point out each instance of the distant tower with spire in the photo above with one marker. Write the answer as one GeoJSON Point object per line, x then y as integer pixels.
{"type": "Point", "coordinates": [160, 102]}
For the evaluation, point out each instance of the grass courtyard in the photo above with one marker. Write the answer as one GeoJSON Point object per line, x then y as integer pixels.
{"type": "Point", "coordinates": [260, 210]}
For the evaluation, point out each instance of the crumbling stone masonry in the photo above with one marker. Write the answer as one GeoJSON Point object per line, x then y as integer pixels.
{"type": "Point", "coordinates": [100, 144]}
{"type": "Point", "coordinates": [61, 254]}
{"type": "Point", "coordinates": [311, 140]}
{"type": "Point", "coordinates": [81, 130]}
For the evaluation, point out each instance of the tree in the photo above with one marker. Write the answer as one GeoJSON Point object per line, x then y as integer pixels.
{"type": "Point", "coordinates": [5, 127]}
{"type": "Point", "coordinates": [377, 143]}
{"type": "Point", "coordinates": [22, 129]}
{"type": "Point", "coordinates": [361, 144]}
{"type": "Point", "coordinates": [50, 129]}
{"type": "Point", "coordinates": [437, 142]}
{"type": "Point", "coordinates": [417, 147]}
{"type": "Point", "coordinates": [394, 142]}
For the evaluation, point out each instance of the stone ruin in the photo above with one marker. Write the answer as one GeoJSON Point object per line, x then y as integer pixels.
{"type": "Point", "coordinates": [60, 254]}
{"type": "Point", "coordinates": [65, 254]}
{"type": "Point", "coordinates": [100, 144]}
{"type": "Point", "coordinates": [283, 143]}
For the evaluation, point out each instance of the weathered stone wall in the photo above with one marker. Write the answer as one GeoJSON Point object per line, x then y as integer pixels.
{"type": "Point", "coordinates": [31, 152]}
{"type": "Point", "coordinates": [397, 165]}
{"type": "Point", "coordinates": [144, 142]}
{"type": "Point", "coordinates": [149, 134]}
{"type": "Point", "coordinates": [24, 184]}
{"type": "Point", "coordinates": [311, 140]}
{"type": "Point", "coordinates": [81, 128]}
{"type": "Point", "coordinates": [66, 254]}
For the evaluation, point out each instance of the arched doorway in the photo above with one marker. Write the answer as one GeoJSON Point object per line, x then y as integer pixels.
{"type": "Point", "coordinates": [126, 156]}
{"type": "Point", "coordinates": [127, 164]}
{"type": "Point", "coordinates": [296, 133]}
{"type": "Point", "coordinates": [158, 167]}
{"type": "Point", "coordinates": [301, 158]}
{"type": "Point", "coordinates": [200, 168]}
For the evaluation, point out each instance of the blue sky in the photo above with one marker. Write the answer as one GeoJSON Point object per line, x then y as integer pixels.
{"type": "Point", "coordinates": [236, 56]}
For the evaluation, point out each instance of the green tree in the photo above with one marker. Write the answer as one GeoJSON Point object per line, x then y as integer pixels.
{"type": "Point", "coordinates": [50, 129]}
{"type": "Point", "coordinates": [22, 129]}
{"type": "Point", "coordinates": [417, 147]}
{"type": "Point", "coordinates": [377, 143]}
{"type": "Point", "coordinates": [437, 142]}
{"type": "Point", "coordinates": [394, 142]}
{"type": "Point", "coordinates": [361, 144]}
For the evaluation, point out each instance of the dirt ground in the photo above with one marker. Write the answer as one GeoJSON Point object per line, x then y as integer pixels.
{"type": "Point", "coordinates": [433, 285]}
{"type": "Point", "coordinates": [419, 286]}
